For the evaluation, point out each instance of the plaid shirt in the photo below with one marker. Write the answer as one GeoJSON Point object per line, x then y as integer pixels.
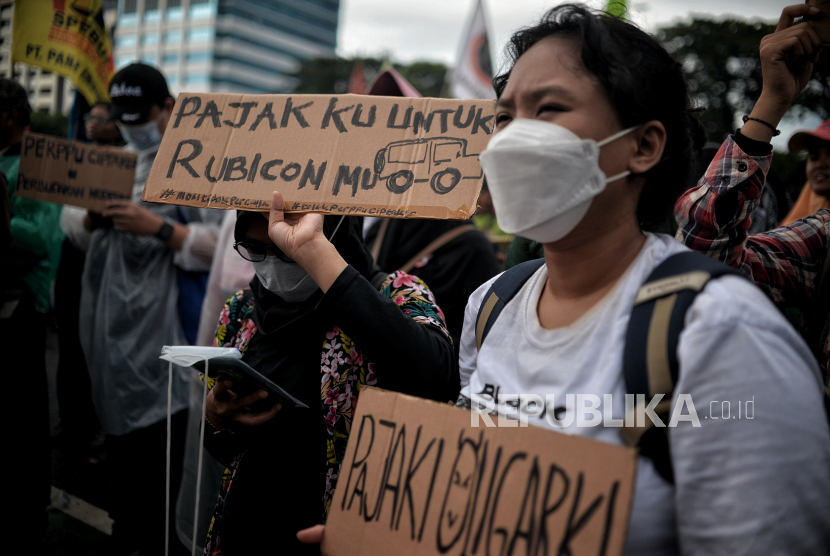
{"type": "Point", "coordinates": [714, 218]}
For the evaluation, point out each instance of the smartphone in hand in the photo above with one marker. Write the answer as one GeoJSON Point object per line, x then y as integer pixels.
{"type": "Point", "coordinates": [247, 380]}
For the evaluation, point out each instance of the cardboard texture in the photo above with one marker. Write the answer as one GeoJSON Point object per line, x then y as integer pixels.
{"type": "Point", "coordinates": [418, 479]}
{"type": "Point", "coordinates": [73, 173]}
{"type": "Point", "coordinates": [336, 154]}
{"type": "Point", "coordinates": [821, 21]}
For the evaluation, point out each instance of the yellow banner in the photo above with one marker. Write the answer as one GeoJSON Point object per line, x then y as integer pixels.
{"type": "Point", "coordinates": [67, 37]}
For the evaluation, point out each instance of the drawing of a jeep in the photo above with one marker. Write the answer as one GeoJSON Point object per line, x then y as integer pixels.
{"type": "Point", "coordinates": [441, 161]}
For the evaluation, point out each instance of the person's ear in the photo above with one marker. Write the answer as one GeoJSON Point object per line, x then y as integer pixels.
{"type": "Point", "coordinates": [651, 142]}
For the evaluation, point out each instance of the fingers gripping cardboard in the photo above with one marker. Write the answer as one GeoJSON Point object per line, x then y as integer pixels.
{"type": "Point", "coordinates": [337, 154]}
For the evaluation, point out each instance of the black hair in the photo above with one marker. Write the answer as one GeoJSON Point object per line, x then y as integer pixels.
{"type": "Point", "coordinates": [14, 97]}
{"type": "Point", "coordinates": [105, 104]}
{"type": "Point", "coordinates": [641, 81]}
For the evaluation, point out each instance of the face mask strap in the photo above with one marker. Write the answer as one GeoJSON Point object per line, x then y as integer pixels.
{"type": "Point", "coordinates": [619, 176]}
{"type": "Point", "coordinates": [616, 136]}
{"type": "Point", "coordinates": [610, 139]}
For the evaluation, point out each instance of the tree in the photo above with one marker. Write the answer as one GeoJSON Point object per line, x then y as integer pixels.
{"type": "Point", "coordinates": [723, 67]}
{"type": "Point", "coordinates": [322, 76]}
{"type": "Point", "coordinates": [331, 75]}
{"type": "Point", "coordinates": [427, 77]}
{"type": "Point", "coordinates": [48, 124]}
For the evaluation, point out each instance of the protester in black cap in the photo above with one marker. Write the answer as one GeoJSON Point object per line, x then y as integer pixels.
{"type": "Point", "coordinates": [135, 277]}
{"type": "Point", "coordinates": [322, 321]}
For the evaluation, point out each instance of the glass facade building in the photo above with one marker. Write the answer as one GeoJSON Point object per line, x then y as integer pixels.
{"type": "Point", "coordinates": [226, 46]}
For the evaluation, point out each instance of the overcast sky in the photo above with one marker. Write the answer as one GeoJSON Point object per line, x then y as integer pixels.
{"type": "Point", "coordinates": [410, 30]}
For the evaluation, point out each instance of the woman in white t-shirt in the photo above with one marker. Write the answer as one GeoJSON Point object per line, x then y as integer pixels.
{"type": "Point", "coordinates": [588, 96]}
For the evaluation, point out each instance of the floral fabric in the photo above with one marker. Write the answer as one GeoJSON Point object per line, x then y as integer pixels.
{"type": "Point", "coordinates": [212, 546]}
{"type": "Point", "coordinates": [344, 371]}
{"type": "Point", "coordinates": [236, 327]}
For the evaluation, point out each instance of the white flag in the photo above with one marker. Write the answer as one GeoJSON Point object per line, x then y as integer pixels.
{"type": "Point", "coordinates": [472, 75]}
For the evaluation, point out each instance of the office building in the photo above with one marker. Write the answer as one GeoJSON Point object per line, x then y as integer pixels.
{"type": "Point", "coordinates": [233, 46]}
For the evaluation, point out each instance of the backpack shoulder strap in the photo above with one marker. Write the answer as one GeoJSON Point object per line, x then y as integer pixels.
{"type": "Point", "coordinates": [436, 244]}
{"type": "Point", "coordinates": [650, 364]}
{"type": "Point", "coordinates": [500, 293]}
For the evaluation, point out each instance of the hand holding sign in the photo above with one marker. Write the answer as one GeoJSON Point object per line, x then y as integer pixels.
{"type": "Point", "coordinates": [312, 535]}
{"type": "Point", "coordinates": [301, 237]}
{"type": "Point", "coordinates": [132, 218]}
{"type": "Point", "coordinates": [291, 232]}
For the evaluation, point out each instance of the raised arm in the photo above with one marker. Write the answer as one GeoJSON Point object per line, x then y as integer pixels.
{"type": "Point", "coordinates": [401, 330]}
{"type": "Point", "coordinates": [409, 345]}
{"type": "Point", "coordinates": [714, 217]}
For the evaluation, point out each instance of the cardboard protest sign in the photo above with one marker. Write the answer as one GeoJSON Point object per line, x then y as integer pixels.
{"type": "Point", "coordinates": [338, 154]}
{"type": "Point", "coordinates": [418, 477]}
{"type": "Point", "coordinates": [74, 173]}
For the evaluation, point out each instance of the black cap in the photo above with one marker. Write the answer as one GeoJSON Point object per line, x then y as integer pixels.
{"type": "Point", "coordinates": [134, 91]}
{"type": "Point", "coordinates": [244, 219]}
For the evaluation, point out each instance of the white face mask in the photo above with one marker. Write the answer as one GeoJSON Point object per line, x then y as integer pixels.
{"type": "Point", "coordinates": [287, 280]}
{"type": "Point", "coordinates": [141, 136]}
{"type": "Point", "coordinates": [543, 178]}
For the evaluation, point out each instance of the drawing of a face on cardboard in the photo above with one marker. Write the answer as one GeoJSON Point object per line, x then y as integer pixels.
{"type": "Point", "coordinates": [821, 22]}
{"type": "Point", "coordinates": [457, 499]}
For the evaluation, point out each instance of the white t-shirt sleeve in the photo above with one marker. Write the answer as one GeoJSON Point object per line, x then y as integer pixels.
{"type": "Point", "coordinates": [468, 352]}
{"type": "Point", "coordinates": [197, 250]}
{"type": "Point", "coordinates": [758, 483]}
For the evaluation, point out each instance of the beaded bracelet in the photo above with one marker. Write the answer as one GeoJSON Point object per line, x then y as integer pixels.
{"type": "Point", "coordinates": [217, 429]}
{"type": "Point", "coordinates": [775, 132]}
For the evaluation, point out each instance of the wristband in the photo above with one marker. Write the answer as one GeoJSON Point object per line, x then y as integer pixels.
{"type": "Point", "coordinates": [217, 429]}
{"type": "Point", "coordinates": [166, 231]}
{"type": "Point", "coordinates": [775, 132]}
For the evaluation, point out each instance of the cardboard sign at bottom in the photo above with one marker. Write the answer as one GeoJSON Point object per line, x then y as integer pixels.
{"type": "Point", "coordinates": [418, 479]}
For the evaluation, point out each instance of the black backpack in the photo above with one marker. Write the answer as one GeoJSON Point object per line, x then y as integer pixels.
{"type": "Point", "coordinates": [650, 355]}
